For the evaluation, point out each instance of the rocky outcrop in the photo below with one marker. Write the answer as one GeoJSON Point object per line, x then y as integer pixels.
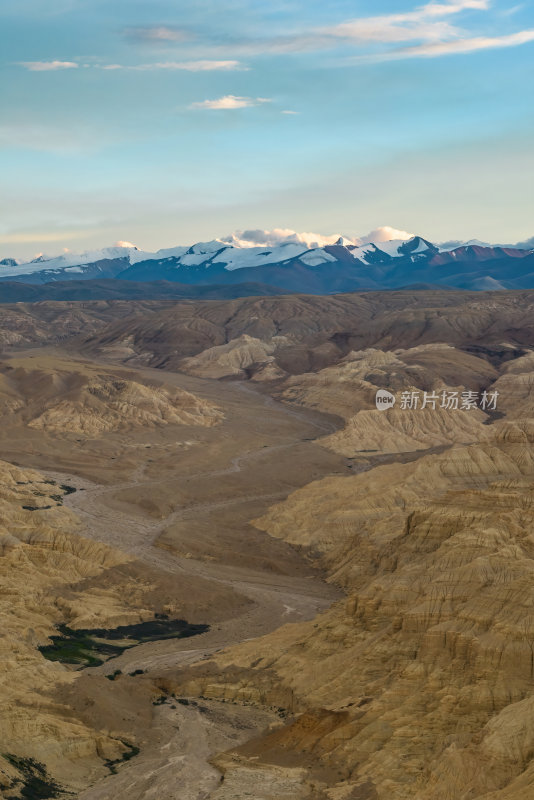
{"type": "Point", "coordinates": [350, 387]}
{"type": "Point", "coordinates": [236, 358]}
{"type": "Point", "coordinates": [73, 397]}
{"type": "Point", "coordinates": [323, 330]}
{"type": "Point", "coordinates": [115, 404]}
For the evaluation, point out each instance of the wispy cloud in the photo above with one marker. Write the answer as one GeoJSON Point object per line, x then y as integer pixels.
{"type": "Point", "coordinates": [426, 31]}
{"type": "Point", "coordinates": [203, 65]}
{"type": "Point", "coordinates": [509, 12]}
{"type": "Point", "coordinates": [428, 11]}
{"type": "Point", "coordinates": [200, 65]}
{"type": "Point", "coordinates": [426, 23]}
{"type": "Point", "coordinates": [157, 34]}
{"type": "Point", "coordinates": [48, 66]}
{"type": "Point", "coordinates": [230, 101]}
{"type": "Point", "coordinates": [434, 9]}
{"type": "Point", "coordinates": [471, 45]}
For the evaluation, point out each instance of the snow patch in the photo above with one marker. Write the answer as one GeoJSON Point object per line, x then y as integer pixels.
{"type": "Point", "coordinates": [314, 258]}
{"type": "Point", "coordinates": [241, 258]}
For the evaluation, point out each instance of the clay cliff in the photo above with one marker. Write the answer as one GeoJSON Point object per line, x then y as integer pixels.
{"type": "Point", "coordinates": [306, 334]}
{"type": "Point", "coordinates": [420, 684]}
{"type": "Point", "coordinates": [349, 389]}
{"type": "Point", "coordinates": [63, 396]}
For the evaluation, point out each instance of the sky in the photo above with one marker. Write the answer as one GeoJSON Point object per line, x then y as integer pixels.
{"type": "Point", "coordinates": [167, 122]}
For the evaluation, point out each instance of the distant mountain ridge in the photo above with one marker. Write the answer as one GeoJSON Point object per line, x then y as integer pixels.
{"type": "Point", "coordinates": [294, 266]}
{"type": "Point", "coordinates": [110, 289]}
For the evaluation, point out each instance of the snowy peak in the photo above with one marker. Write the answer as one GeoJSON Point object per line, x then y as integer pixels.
{"type": "Point", "coordinates": [417, 245]}
{"type": "Point", "coordinates": [241, 249]}
{"type": "Point", "coordinates": [296, 262]}
{"type": "Point", "coordinates": [208, 248]}
{"type": "Point", "coordinates": [383, 252]}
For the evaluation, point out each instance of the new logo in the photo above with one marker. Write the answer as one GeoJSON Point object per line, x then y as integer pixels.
{"type": "Point", "coordinates": [384, 400]}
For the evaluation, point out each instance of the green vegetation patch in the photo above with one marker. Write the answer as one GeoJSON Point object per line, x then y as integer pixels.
{"type": "Point", "coordinates": [114, 675]}
{"type": "Point", "coordinates": [79, 647]}
{"type": "Point", "coordinates": [90, 648]}
{"type": "Point", "coordinates": [131, 752]}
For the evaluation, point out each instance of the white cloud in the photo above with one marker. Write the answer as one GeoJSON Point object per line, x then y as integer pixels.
{"type": "Point", "coordinates": [428, 22]}
{"type": "Point", "coordinates": [193, 66]}
{"type": "Point", "coordinates": [425, 31]}
{"type": "Point", "coordinates": [384, 234]}
{"type": "Point", "coordinates": [528, 244]}
{"type": "Point", "coordinates": [425, 23]}
{"type": "Point", "coordinates": [231, 101]}
{"type": "Point", "coordinates": [157, 34]}
{"type": "Point", "coordinates": [472, 45]}
{"type": "Point", "coordinates": [48, 66]}
{"type": "Point", "coordinates": [386, 31]}
{"type": "Point", "coordinates": [278, 236]}
{"type": "Point", "coordinates": [509, 12]}
{"type": "Point", "coordinates": [291, 113]}
{"type": "Point", "coordinates": [204, 65]}
{"type": "Point", "coordinates": [440, 9]}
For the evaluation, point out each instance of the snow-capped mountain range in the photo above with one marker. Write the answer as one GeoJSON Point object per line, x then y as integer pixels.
{"type": "Point", "coordinates": [295, 262]}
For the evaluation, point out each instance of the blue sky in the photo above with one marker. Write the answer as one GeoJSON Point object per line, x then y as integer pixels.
{"type": "Point", "coordinates": [172, 121]}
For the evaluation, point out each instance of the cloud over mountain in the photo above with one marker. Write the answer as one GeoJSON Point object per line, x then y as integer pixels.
{"type": "Point", "coordinates": [277, 236]}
